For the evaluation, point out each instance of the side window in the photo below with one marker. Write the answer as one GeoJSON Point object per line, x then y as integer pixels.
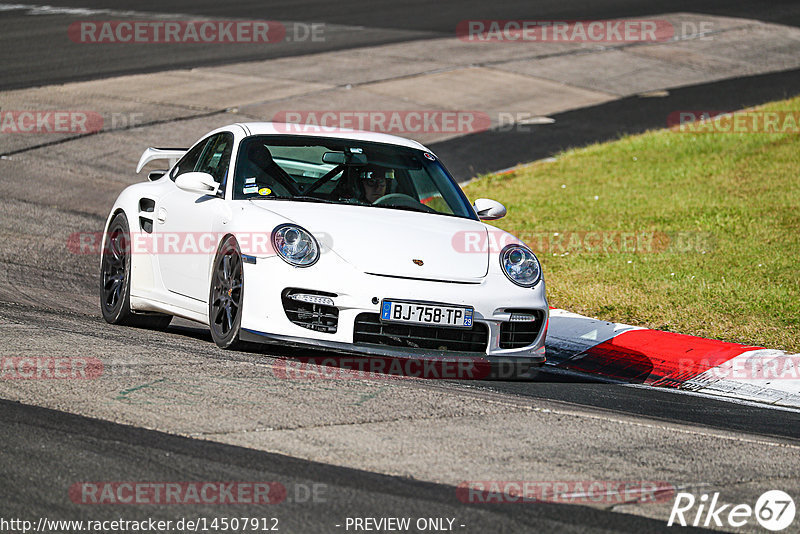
{"type": "Point", "coordinates": [189, 160]}
{"type": "Point", "coordinates": [217, 156]}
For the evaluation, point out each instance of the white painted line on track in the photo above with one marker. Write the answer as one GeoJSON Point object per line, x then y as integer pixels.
{"type": "Point", "coordinates": [39, 10]}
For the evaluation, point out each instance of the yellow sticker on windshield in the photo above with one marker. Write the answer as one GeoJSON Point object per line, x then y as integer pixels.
{"type": "Point", "coordinates": [264, 191]}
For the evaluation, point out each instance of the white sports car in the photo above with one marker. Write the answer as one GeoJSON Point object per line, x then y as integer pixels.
{"type": "Point", "coordinates": [352, 241]}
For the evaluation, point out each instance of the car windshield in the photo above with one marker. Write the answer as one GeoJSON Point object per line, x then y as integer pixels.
{"type": "Point", "coordinates": [346, 171]}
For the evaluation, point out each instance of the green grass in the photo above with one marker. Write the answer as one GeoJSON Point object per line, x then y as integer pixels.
{"type": "Point", "coordinates": [733, 198]}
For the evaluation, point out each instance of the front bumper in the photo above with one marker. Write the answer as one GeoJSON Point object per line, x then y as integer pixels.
{"type": "Point", "coordinates": [264, 318]}
{"type": "Point", "coordinates": [421, 363]}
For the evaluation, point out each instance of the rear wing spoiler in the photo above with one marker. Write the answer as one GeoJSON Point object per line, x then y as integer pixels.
{"type": "Point", "coordinates": [152, 154]}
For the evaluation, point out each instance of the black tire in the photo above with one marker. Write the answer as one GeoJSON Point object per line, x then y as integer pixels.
{"type": "Point", "coordinates": [115, 281]}
{"type": "Point", "coordinates": [225, 295]}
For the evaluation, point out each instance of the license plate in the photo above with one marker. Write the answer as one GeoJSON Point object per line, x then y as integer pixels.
{"type": "Point", "coordinates": [422, 313]}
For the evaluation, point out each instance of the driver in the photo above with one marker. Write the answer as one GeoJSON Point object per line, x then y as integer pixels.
{"type": "Point", "coordinates": [375, 183]}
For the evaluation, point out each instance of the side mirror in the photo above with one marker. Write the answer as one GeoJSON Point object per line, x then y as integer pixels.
{"type": "Point", "coordinates": [197, 182]}
{"type": "Point", "coordinates": [489, 210]}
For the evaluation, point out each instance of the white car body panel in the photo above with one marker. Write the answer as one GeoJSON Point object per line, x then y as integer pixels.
{"type": "Point", "coordinates": [374, 246]}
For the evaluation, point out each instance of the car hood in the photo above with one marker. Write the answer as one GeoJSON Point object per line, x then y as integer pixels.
{"type": "Point", "coordinates": [388, 241]}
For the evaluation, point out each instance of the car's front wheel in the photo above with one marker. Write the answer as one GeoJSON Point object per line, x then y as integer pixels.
{"type": "Point", "coordinates": [225, 298]}
{"type": "Point", "coordinates": [115, 280]}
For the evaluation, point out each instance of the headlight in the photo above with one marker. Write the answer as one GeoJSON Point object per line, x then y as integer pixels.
{"type": "Point", "coordinates": [520, 265]}
{"type": "Point", "coordinates": [295, 245]}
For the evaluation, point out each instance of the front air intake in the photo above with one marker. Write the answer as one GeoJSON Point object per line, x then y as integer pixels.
{"type": "Point", "coordinates": [311, 309]}
{"type": "Point", "coordinates": [522, 329]}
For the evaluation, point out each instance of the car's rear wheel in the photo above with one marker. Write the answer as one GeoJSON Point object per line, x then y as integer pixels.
{"type": "Point", "coordinates": [225, 298]}
{"type": "Point", "coordinates": [115, 281]}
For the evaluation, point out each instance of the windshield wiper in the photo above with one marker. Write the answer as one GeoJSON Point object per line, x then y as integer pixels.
{"type": "Point", "coordinates": [305, 198]}
{"type": "Point", "coordinates": [299, 198]}
{"type": "Point", "coordinates": [406, 208]}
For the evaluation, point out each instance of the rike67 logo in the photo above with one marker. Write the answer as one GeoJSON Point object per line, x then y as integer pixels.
{"type": "Point", "coordinates": [774, 510]}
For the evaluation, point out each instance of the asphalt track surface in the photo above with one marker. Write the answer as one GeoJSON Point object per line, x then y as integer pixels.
{"type": "Point", "coordinates": [28, 41]}
{"type": "Point", "coordinates": [491, 150]}
{"type": "Point", "coordinates": [36, 441]}
{"type": "Point", "coordinates": [44, 451]}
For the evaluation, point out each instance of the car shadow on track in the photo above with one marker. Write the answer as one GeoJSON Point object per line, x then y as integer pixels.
{"type": "Point", "coordinates": [307, 362]}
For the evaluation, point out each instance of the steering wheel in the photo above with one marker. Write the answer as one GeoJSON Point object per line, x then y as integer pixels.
{"type": "Point", "coordinates": [400, 199]}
